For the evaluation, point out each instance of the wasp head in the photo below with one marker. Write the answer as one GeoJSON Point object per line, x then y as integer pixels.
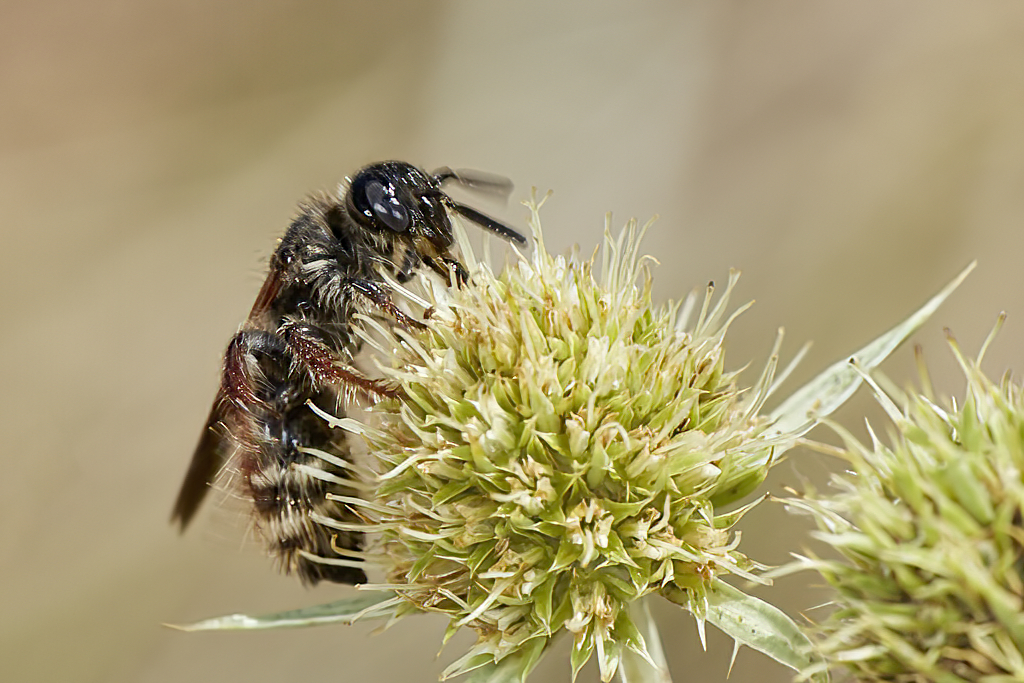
{"type": "Point", "coordinates": [398, 199]}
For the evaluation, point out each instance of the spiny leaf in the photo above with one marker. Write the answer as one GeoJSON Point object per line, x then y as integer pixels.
{"type": "Point", "coordinates": [829, 390]}
{"type": "Point", "coordinates": [758, 625]}
{"type": "Point", "coordinates": [375, 605]}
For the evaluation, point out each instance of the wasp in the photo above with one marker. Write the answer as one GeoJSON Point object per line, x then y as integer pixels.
{"type": "Point", "coordinates": [297, 347]}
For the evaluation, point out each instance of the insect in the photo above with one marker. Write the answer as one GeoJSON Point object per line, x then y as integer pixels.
{"type": "Point", "coordinates": [297, 346]}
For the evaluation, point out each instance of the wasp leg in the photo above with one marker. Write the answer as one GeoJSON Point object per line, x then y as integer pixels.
{"type": "Point", "coordinates": [409, 266]}
{"type": "Point", "coordinates": [443, 265]}
{"type": "Point", "coordinates": [306, 344]}
{"type": "Point", "coordinates": [381, 298]}
{"type": "Point", "coordinates": [242, 373]}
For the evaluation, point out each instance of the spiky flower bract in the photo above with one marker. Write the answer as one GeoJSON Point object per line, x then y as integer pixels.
{"type": "Point", "coordinates": [563, 449]}
{"type": "Point", "coordinates": [930, 587]}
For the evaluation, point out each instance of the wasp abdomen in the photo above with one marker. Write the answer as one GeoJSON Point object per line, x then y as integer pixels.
{"type": "Point", "coordinates": [274, 427]}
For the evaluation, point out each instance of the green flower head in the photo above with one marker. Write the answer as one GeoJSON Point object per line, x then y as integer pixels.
{"type": "Point", "coordinates": [561, 451]}
{"type": "Point", "coordinates": [930, 587]}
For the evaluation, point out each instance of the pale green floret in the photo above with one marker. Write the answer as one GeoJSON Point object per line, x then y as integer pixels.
{"type": "Point", "coordinates": [561, 453]}
{"type": "Point", "coordinates": [929, 525]}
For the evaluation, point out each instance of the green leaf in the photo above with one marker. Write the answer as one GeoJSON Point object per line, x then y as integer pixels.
{"type": "Point", "coordinates": [635, 668]}
{"type": "Point", "coordinates": [829, 390]}
{"type": "Point", "coordinates": [758, 625]}
{"type": "Point", "coordinates": [368, 605]}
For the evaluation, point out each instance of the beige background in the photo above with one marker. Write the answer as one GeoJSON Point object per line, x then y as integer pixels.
{"type": "Point", "coordinates": [849, 157]}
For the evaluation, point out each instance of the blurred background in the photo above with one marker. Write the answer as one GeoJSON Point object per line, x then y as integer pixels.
{"type": "Point", "coordinates": [849, 158]}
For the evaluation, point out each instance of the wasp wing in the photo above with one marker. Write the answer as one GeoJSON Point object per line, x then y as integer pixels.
{"type": "Point", "coordinates": [211, 455]}
{"type": "Point", "coordinates": [216, 444]}
{"type": "Point", "coordinates": [479, 182]}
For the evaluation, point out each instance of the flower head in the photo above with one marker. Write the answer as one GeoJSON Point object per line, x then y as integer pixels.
{"type": "Point", "coordinates": [561, 451]}
{"type": "Point", "coordinates": [930, 587]}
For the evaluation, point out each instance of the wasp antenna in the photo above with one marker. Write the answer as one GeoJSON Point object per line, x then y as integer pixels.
{"type": "Point", "coordinates": [487, 222]}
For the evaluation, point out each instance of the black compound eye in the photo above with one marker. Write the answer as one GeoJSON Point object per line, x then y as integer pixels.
{"type": "Point", "coordinates": [386, 206]}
